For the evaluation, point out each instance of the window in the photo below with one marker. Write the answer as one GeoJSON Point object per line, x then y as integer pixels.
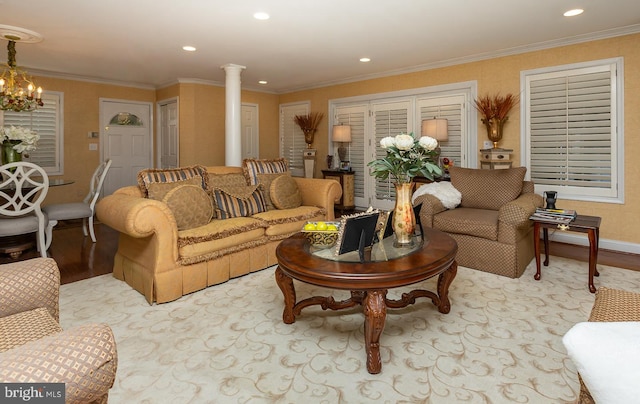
{"type": "Point", "coordinates": [572, 137]}
{"type": "Point", "coordinates": [47, 121]}
{"type": "Point", "coordinates": [292, 144]}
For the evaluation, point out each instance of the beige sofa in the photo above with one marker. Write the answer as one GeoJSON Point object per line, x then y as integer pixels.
{"type": "Point", "coordinates": [164, 263]}
{"type": "Point", "coordinates": [491, 224]}
{"type": "Point", "coordinates": [33, 346]}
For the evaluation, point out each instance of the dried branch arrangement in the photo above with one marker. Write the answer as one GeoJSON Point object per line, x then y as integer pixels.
{"type": "Point", "coordinates": [496, 107]}
{"type": "Point", "coordinates": [310, 121]}
{"type": "Point", "coordinates": [309, 124]}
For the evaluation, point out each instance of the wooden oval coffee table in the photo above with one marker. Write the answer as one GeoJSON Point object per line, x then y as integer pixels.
{"type": "Point", "coordinates": [368, 281]}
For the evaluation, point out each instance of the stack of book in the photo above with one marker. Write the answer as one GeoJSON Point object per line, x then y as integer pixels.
{"type": "Point", "coordinates": [559, 216]}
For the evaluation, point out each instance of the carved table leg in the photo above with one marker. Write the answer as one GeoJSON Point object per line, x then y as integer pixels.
{"type": "Point", "coordinates": [375, 312]}
{"type": "Point", "coordinates": [593, 258]}
{"type": "Point", "coordinates": [444, 280]}
{"type": "Point", "coordinates": [285, 284]}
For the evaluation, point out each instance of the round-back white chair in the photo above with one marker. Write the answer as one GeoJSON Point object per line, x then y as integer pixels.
{"type": "Point", "coordinates": [79, 210]}
{"type": "Point", "coordinates": [23, 187]}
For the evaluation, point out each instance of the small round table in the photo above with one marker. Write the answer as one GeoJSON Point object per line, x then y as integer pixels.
{"type": "Point", "coordinates": [367, 281]}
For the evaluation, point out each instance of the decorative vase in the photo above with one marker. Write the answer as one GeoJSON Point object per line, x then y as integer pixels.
{"type": "Point", "coordinates": [494, 129]}
{"type": "Point", "coordinates": [9, 154]}
{"type": "Point", "coordinates": [404, 220]}
{"type": "Point", "coordinates": [308, 136]}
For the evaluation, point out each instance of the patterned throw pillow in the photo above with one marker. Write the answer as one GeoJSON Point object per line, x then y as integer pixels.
{"type": "Point", "coordinates": [191, 206]}
{"type": "Point", "coordinates": [487, 189]}
{"type": "Point", "coordinates": [285, 193]}
{"type": "Point", "coordinates": [265, 181]}
{"type": "Point", "coordinates": [151, 175]}
{"type": "Point", "coordinates": [228, 206]}
{"type": "Point", "coordinates": [252, 167]}
{"type": "Point", "coordinates": [158, 190]}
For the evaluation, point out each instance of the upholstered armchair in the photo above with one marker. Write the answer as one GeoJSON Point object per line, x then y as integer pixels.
{"type": "Point", "coordinates": [491, 225]}
{"type": "Point", "coordinates": [33, 346]}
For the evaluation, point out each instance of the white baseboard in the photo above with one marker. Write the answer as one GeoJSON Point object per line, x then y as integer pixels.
{"type": "Point", "coordinates": [581, 239]}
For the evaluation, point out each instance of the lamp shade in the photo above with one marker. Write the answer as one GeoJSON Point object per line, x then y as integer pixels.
{"type": "Point", "coordinates": [436, 128]}
{"type": "Point", "coordinates": [341, 133]}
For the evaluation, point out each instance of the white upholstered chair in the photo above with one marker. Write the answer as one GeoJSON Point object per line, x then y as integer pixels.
{"type": "Point", "coordinates": [79, 210]}
{"type": "Point", "coordinates": [23, 187]}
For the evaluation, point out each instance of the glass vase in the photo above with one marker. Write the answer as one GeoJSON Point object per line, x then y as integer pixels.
{"type": "Point", "coordinates": [9, 154]}
{"type": "Point", "coordinates": [404, 220]}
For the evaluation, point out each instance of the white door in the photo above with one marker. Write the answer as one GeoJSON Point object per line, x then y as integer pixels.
{"type": "Point", "coordinates": [126, 131]}
{"type": "Point", "coordinates": [168, 134]}
{"type": "Point", "coordinates": [250, 135]}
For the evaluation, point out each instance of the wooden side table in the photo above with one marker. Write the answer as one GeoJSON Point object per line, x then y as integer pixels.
{"type": "Point", "coordinates": [581, 224]}
{"type": "Point", "coordinates": [347, 182]}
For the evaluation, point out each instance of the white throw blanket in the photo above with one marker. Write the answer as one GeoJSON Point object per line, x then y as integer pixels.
{"type": "Point", "coordinates": [607, 356]}
{"type": "Point", "coordinates": [448, 195]}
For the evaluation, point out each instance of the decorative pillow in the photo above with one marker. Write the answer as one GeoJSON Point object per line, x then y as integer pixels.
{"type": "Point", "coordinates": [158, 190]}
{"type": "Point", "coordinates": [252, 167]}
{"type": "Point", "coordinates": [191, 206]}
{"type": "Point", "coordinates": [226, 180]}
{"type": "Point", "coordinates": [285, 193]}
{"type": "Point", "coordinates": [265, 181]}
{"type": "Point", "coordinates": [487, 189]}
{"type": "Point", "coordinates": [228, 206]}
{"type": "Point", "coordinates": [151, 175]}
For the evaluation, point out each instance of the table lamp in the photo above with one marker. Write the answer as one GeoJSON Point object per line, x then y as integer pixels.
{"type": "Point", "coordinates": [342, 135]}
{"type": "Point", "coordinates": [437, 128]}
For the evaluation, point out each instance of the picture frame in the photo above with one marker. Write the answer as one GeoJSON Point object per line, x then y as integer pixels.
{"type": "Point", "coordinates": [357, 231]}
{"type": "Point", "coordinates": [345, 165]}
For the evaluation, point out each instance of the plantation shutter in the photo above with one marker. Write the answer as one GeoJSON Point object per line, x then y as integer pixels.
{"type": "Point", "coordinates": [47, 123]}
{"type": "Point", "coordinates": [572, 129]}
{"type": "Point", "coordinates": [451, 109]}
{"type": "Point", "coordinates": [292, 138]}
{"type": "Point", "coordinates": [388, 120]}
{"type": "Point", "coordinates": [355, 118]}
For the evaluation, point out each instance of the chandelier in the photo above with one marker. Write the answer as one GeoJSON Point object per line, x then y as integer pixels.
{"type": "Point", "coordinates": [18, 92]}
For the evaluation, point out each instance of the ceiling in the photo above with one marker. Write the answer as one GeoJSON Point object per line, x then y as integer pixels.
{"type": "Point", "coordinates": [304, 44]}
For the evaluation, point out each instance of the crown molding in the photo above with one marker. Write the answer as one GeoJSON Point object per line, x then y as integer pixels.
{"type": "Point", "coordinates": [628, 30]}
{"type": "Point", "coordinates": [594, 36]}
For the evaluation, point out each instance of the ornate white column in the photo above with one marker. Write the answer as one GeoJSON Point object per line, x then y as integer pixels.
{"type": "Point", "coordinates": [233, 121]}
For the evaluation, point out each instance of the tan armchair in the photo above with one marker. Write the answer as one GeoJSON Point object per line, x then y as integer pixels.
{"type": "Point", "coordinates": [33, 346]}
{"type": "Point", "coordinates": [491, 224]}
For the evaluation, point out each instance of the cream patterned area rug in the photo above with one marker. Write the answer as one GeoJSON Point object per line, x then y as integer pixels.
{"type": "Point", "coordinates": [501, 342]}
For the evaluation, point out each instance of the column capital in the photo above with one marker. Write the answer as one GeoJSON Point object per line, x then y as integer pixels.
{"type": "Point", "coordinates": [232, 67]}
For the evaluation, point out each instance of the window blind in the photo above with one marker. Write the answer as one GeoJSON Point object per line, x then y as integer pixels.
{"type": "Point", "coordinates": [355, 118]}
{"type": "Point", "coordinates": [292, 137]}
{"type": "Point", "coordinates": [46, 122]}
{"type": "Point", "coordinates": [451, 110]}
{"type": "Point", "coordinates": [388, 120]}
{"type": "Point", "coordinates": [571, 129]}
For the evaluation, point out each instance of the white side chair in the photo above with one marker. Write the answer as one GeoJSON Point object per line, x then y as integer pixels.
{"type": "Point", "coordinates": [79, 210]}
{"type": "Point", "coordinates": [23, 187]}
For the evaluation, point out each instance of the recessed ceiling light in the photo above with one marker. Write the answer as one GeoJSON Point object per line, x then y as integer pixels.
{"type": "Point", "coordinates": [189, 48]}
{"type": "Point", "coordinates": [262, 82]}
{"type": "Point", "coordinates": [574, 12]}
{"type": "Point", "coordinates": [364, 60]}
{"type": "Point", "coordinates": [261, 16]}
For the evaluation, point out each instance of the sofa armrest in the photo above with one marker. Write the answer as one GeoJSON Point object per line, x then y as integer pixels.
{"type": "Point", "coordinates": [319, 192]}
{"type": "Point", "coordinates": [142, 218]}
{"type": "Point", "coordinates": [513, 217]}
{"type": "Point", "coordinates": [431, 206]}
{"type": "Point", "coordinates": [28, 285]}
{"type": "Point", "coordinates": [84, 358]}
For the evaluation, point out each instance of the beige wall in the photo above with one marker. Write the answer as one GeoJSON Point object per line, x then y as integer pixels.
{"type": "Point", "coordinates": [502, 75]}
{"type": "Point", "coordinates": [81, 115]}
